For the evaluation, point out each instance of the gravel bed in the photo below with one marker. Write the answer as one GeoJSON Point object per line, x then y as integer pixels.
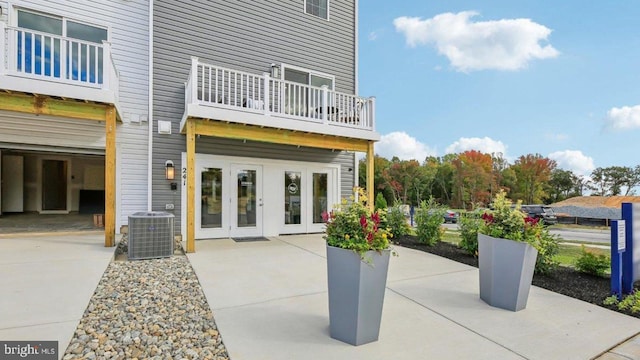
{"type": "Point", "coordinates": [588, 212]}
{"type": "Point", "coordinates": [148, 309]}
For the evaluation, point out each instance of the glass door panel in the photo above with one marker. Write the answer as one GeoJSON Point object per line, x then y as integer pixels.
{"type": "Point", "coordinates": [212, 211]}
{"type": "Point", "coordinates": [292, 198]}
{"type": "Point", "coordinates": [320, 196]}
{"type": "Point", "coordinates": [246, 200]}
{"type": "Point", "coordinates": [211, 197]}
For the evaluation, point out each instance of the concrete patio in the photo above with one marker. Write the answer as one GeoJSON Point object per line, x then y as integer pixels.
{"type": "Point", "coordinates": [47, 282]}
{"type": "Point", "coordinates": [269, 300]}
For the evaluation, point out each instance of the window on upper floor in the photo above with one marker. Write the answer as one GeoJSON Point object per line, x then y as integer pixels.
{"type": "Point", "coordinates": [319, 8]}
{"type": "Point", "coordinates": [302, 90]}
{"type": "Point", "coordinates": [58, 47]}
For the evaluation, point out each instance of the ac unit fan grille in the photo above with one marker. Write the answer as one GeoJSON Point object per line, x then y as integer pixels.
{"type": "Point", "coordinates": [150, 235]}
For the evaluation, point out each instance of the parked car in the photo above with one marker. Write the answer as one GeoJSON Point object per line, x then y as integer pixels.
{"type": "Point", "coordinates": [541, 212]}
{"type": "Point", "coordinates": [451, 216]}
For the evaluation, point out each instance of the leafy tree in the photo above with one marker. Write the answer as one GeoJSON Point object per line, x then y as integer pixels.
{"type": "Point", "coordinates": [613, 180]}
{"type": "Point", "coordinates": [562, 185]}
{"type": "Point", "coordinates": [532, 173]}
{"type": "Point", "coordinates": [473, 178]}
{"type": "Point", "coordinates": [379, 165]}
{"type": "Point", "coordinates": [443, 179]}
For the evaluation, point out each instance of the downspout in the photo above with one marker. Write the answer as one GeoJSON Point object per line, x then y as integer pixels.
{"type": "Point", "coordinates": [150, 123]}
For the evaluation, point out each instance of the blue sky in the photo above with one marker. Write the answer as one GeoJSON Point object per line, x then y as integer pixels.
{"type": "Point", "coordinates": [558, 78]}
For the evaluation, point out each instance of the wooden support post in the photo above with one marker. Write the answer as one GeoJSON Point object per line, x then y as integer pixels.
{"type": "Point", "coordinates": [191, 185]}
{"type": "Point", "coordinates": [370, 175]}
{"type": "Point", "coordinates": [110, 178]}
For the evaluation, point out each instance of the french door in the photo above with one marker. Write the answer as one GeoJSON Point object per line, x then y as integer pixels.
{"type": "Point", "coordinates": [230, 200]}
{"type": "Point", "coordinates": [308, 193]}
{"type": "Point", "coordinates": [246, 200]}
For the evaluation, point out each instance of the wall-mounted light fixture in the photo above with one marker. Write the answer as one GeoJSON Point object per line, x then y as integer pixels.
{"type": "Point", "coordinates": [169, 170]}
{"type": "Point", "coordinates": [275, 71]}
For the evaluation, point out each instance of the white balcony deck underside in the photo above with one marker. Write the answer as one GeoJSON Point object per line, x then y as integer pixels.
{"type": "Point", "coordinates": [278, 121]}
{"type": "Point", "coordinates": [53, 88]}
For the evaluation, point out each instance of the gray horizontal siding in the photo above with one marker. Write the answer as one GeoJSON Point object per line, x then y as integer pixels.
{"type": "Point", "coordinates": [247, 36]}
{"type": "Point", "coordinates": [251, 35]}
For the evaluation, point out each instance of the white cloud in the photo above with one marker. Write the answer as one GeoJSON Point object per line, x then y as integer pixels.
{"type": "Point", "coordinates": [626, 117]}
{"type": "Point", "coordinates": [507, 44]}
{"type": "Point", "coordinates": [573, 160]}
{"type": "Point", "coordinates": [404, 146]}
{"type": "Point", "coordinates": [485, 145]}
{"type": "Point", "coordinates": [373, 36]}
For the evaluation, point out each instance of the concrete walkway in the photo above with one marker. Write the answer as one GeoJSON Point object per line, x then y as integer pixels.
{"type": "Point", "coordinates": [47, 282]}
{"type": "Point", "coordinates": [269, 300]}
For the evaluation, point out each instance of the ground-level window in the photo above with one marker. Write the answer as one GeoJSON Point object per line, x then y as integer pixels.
{"type": "Point", "coordinates": [59, 47]}
{"type": "Point", "coordinates": [319, 8]}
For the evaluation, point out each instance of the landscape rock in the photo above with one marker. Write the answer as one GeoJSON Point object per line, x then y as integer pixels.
{"type": "Point", "coordinates": [147, 309]}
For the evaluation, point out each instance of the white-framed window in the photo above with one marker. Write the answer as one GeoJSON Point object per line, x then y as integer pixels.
{"type": "Point", "coordinates": [55, 46]}
{"type": "Point", "coordinates": [319, 8]}
{"type": "Point", "coordinates": [304, 99]}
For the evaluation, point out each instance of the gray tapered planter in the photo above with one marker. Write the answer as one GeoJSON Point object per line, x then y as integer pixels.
{"type": "Point", "coordinates": [356, 294]}
{"type": "Point", "coordinates": [506, 271]}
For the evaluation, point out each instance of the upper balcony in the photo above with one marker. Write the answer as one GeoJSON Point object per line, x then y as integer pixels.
{"type": "Point", "coordinates": [52, 65]}
{"type": "Point", "coordinates": [217, 93]}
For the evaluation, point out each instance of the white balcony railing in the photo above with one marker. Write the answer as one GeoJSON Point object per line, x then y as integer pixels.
{"type": "Point", "coordinates": [220, 87]}
{"type": "Point", "coordinates": [38, 55]}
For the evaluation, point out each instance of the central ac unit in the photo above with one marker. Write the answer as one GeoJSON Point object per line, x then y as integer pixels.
{"type": "Point", "coordinates": [150, 235]}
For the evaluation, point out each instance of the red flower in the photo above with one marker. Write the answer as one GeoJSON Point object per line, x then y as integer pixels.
{"type": "Point", "coordinates": [370, 238]}
{"type": "Point", "coordinates": [531, 221]}
{"type": "Point", "coordinates": [488, 218]}
{"type": "Point", "coordinates": [363, 221]}
{"type": "Point", "coordinates": [325, 216]}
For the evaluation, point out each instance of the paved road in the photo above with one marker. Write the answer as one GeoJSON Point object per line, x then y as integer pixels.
{"type": "Point", "coordinates": [597, 236]}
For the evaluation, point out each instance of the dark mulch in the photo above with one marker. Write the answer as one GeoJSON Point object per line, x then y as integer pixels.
{"type": "Point", "coordinates": [563, 280]}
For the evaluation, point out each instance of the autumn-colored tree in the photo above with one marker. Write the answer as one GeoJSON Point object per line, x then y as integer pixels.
{"type": "Point", "coordinates": [532, 173]}
{"type": "Point", "coordinates": [400, 177]}
{"type": "Point", "coordinates": [473, 177]}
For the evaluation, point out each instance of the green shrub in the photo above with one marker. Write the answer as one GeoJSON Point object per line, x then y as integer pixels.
{"type": "Point", "coordinates": [396, 221]}
{"type": "Point", "coordinates": [508, 222]}
{"type": "Point", "coordinates": [593, 264]}
{"type": "Point", "coordinates": [429, 218]}
{"type": "Point", "coordinates": [469, 234]}
{"type": "Point", "coordinates": [629, 302]}
{"type": "Point", "coordinates": [381, 202]}
{"type": "Point", "coordinates": [547, 246]}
